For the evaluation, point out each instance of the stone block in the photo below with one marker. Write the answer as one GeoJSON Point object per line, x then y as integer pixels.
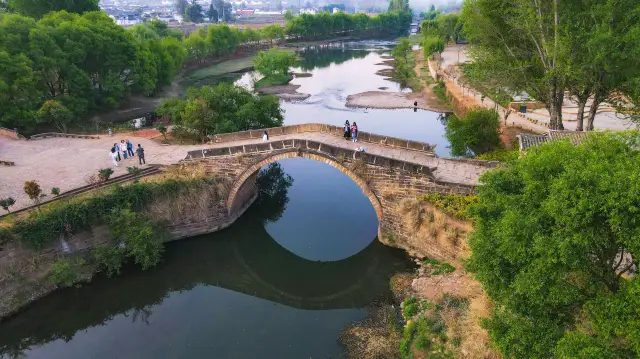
{"type": "Point", "coordinates": [236, 150]}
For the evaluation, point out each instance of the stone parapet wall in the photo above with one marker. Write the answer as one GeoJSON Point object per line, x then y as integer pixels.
{"type": "Point", "coordinates": [318, 127]}
{"type": "Point", "coordinates": [64, 135]}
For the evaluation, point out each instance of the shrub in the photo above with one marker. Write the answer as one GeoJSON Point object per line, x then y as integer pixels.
{"type": "Point", "coordinates": [410, 307]}
{"type": "Point", "coordinates": [84, 212]}
{"type": "Point", "coordinates": [141, 240]}
{"type": "Point", "coordinates": [453, 205]}
{"type": "Point", "coordinates": [33, 190]}
{"type": "Point", "coordinates": [163, 130]}
{"type": "Point", "coordinates": [55, 191]}
{"type": "Point", "coordinates": [478, 133]}
{"type": "Point", "coordinates": [501, 154]}
{"type": "Point", "coordinates": [6, 203]}
{"type": "Point", "coordinates": [108, 258]}
{"type": "Point", "coordinates": [444, 268]}
{"type": "Point", "coordinates": [407, 338]}
{"type": "Point", "coordinates": [66, 272]}
{"type": "Point", "coordinates": [104, 174]}
{"type": "Point", "coordinates": [134, 170]}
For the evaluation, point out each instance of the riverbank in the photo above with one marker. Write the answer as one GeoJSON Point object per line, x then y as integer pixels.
{"type": "Point", "coordinates": [38, 258]}
{"type": "Point", "coordinates": [286, 92]}
{"type": "Point", "coordinates": [426, 99]}
{"type": "Point", "coordinates": [440, 306]}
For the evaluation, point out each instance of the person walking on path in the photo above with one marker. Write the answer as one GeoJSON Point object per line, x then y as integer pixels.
{"type": "Point", "coordinates": [140, 152]}
{"type": "Point", "coordinates": [354, 132]}
{"type": "Point", "coordinates": [130, 149]}
{"type": "Point", "coordinates": [265, 137]}
{"type": "Point", "coordinates": [347, 130]}
{"type": "Point", "coordinates": [116, 148]}
{"type": "Point", "coordinates": [114, 155]}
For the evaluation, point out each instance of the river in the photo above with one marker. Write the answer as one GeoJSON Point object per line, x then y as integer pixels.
{"type": "Point", "coordinates": [282, 282]}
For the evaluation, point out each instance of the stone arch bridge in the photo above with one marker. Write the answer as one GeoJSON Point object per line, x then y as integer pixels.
{"type": "Point", "coordinates": [389, 169]}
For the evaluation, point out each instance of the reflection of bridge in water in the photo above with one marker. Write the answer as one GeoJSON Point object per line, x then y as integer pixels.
{"type": "Point", "coordinates": [243, 258]}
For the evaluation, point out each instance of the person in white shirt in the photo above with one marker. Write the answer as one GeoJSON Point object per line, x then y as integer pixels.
{"type": "Point", "coordinates": [265, 137]}
{"type": "Point", "coordinates": [114, 157]}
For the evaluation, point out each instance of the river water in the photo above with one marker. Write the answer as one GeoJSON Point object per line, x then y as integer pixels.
{"type": "Point", "coordinates": [282, 282]}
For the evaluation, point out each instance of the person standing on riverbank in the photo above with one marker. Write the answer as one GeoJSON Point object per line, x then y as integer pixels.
{"type": "Point", "coordinates": [347, 130]}
{"type": "Point", "coordinates": [140, 152]}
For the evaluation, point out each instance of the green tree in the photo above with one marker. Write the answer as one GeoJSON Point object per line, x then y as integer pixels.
{"type": "Point", "coordinates": [521, 43]}
{"type": "Point", "coordinates": [38, 8]}
{"type": "Point", "coordinates": [193, 12]}
{"type": "Point", "coordinates": [288, 15]}
{"type": "Point", "coordinates": [212, 13]}
{"type": "Point", "coordinates": [399, 5]}
{"type": "Point", "coordinates": [181, 6]}
{"type": "Point", "coordinates": [19, 91]}
{"type": "Point", "coordinates": [274, 62]}
{"type": "Point", "coordinates": [600, 50]}
{"type": "Point", "coordinates": [221, 109]}
{"type": "Point", "coordinates": [53, 112]}
{"type": "Point", "coordinates": [555, 235]}
{"type": "Point", "coordinates": [432, 45]}
{"type": "Point", "coordinates": [478, 133]}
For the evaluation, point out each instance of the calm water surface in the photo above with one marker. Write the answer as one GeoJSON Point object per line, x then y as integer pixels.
{"type": "Point", "coordinates": [282, 282]}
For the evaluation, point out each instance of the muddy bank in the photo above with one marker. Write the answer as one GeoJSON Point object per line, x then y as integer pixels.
{"type": "Point", "coordinates": [393, 100]}
{"type": "Point", "coordinates": [286, 92]}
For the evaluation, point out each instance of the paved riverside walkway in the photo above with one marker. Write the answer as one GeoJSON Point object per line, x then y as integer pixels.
{"type": "Point", "coordinates": [66, 163]}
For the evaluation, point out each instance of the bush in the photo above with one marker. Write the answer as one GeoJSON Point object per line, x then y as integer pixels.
{"type": "Point", "coordinates": [478, 133]}
{"type": "Point", "coordinates": [407, 338]}
{"type": "Point", "coordinates": [55, 191]}
{"type": "Point", "coordinates": [444, 268]}
{"type": "Point", "coordinates": [141, 240]}
{"type": "Point", "coordinates": [410, 307]}
{"type": "Point", "coordinates": [33, 190]}
{"type": "Point", "coordinates": [104, 174]}
{"type": "Point", "coordinates": [108, 258]}
{"type": "Point", "coordinates": [501, 155]}
{"type": "Point", "coordinates": [134, 170]}
{"type": "Point", "coordinates": [66, 272]}
{"type": "Point", "coordinates": [84, 212]}
{"type": "Point", "coordinates": [451, 204]}
{"type": "Point", "coordinates": [6, 203]}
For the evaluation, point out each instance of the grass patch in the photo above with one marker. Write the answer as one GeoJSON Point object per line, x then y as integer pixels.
{"type": "Point", "coordinates": [454, 205]}
{"type": "Point", "coordinates": [224, 67]}
{"type": "Point", "coordinates": [501, 155]}
{"type": "Point", "coordinates": [440, 91]}
{"type": "Point", "coordinates": [410, 307]}
{"type": "Point", "coordinates": [273, 81]}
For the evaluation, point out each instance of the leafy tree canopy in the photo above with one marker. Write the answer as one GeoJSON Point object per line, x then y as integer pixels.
{"type": "Point", "coordinates": [274, 62]}
{"type": "Point", "coordinates": [38, 8]}
{"type": "Point", "coordinates": [555, 236]}
{"type": "Point", "coordinates": [478, 133]}
{"type": "Point", "coordinates": [221, 109]}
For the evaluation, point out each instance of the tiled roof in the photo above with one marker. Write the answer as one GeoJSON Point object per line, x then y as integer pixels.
{"type": "Point", "coordinates": [526, 140]}
{"type": "Point", "coordinates": [576, 137]}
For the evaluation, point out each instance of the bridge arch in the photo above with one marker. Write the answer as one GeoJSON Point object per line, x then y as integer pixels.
{"type": "Point", "coordinates": [234, 205]}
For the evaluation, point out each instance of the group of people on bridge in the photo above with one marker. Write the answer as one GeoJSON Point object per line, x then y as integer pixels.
{"type": "Point", "coordinates": [351, 131]}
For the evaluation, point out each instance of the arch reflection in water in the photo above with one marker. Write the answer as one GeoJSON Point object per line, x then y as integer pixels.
{"type": "Point", "coordinates": [233, 294]}
{"type": "Point", "coordinates": [327, 218]}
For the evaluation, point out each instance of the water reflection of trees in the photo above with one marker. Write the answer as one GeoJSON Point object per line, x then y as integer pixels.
{"type": "Point", "coordinates": [229, 261]}
{"type": "Point", "coordinates": [323, 56]}
{"type": "Point", "coordinates": [273, 186]}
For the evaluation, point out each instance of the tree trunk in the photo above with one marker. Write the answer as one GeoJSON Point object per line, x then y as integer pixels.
{"type": "Point", "coordinates": [579, 124]}
{"type": "Point", "coordinates": [597, 100]}
{"type": "Point", "coordinates": [555, 110]}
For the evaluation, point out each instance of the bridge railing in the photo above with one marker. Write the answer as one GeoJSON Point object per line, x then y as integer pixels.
{"type": "Point", "coordinates": [324, 128]}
